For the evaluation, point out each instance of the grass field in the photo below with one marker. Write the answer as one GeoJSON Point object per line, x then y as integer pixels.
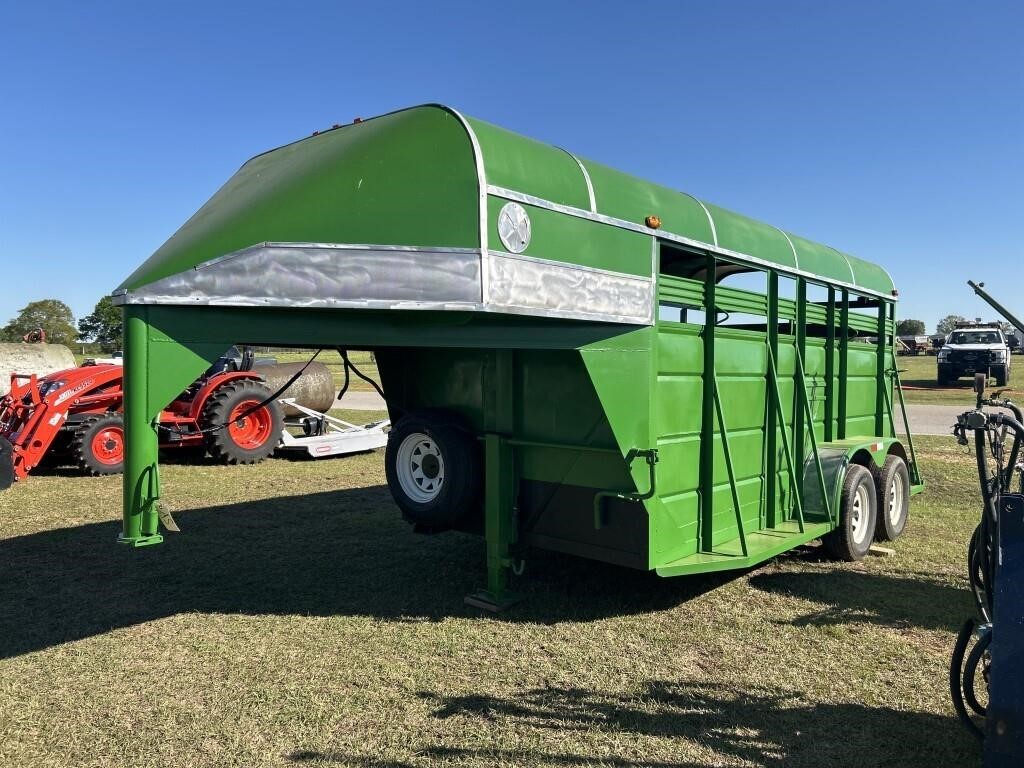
{"type": "Point", "coordinates": [297, 621]}
{"type": "Point", "coordinates": [918, 374]}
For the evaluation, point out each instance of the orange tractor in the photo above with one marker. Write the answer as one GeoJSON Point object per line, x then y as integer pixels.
{"type": "Point", "coordinates": [74, 417]}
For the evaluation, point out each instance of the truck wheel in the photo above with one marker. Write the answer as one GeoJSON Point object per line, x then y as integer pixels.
{"type": "Point", "coordinates": [1001, 375]}
{"type": "Point", "coordinates": [852, 537]}
{"type": "Point", "coordinates": [247, 438]}
{"type": "Point", "coordinates": [892, 483]}
{"type": "Point", "coordinates": [98, 445]}
{"type": "Point", "coordinates": [433, 470]}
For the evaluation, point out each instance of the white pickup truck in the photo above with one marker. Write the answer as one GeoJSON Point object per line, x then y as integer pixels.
{"type": "Point", "coordinates": [977, 349]}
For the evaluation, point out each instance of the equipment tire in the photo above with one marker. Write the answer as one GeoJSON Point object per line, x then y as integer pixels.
{"type": "Point", "coordinates": [892, 484]}
{"type": "Point", "coordinates": [433, 470]}
{"type": "Point", "coordinates": [241, 441]}
{"type": "Point", "coordinates": [6, 464]}
{"type": "Point", "coordinates": [97, 446]}
{"type": "Point", "coordinates": [852, 538]}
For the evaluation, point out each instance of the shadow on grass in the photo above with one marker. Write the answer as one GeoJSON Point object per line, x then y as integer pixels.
{"type": "Point", "coordinates": [343, 552]}
{"type": "Point", "coordinates": [856, 596]}
{"type": "Point", "coordinates": [753, 725]}
{"type": "Point", "coordinates": [966, 384]}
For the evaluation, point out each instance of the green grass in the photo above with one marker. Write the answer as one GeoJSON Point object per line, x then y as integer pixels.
{"type": "Point", "coordinates": [918, 375]}
{"type": "Point", "coordinates": [296, 620]}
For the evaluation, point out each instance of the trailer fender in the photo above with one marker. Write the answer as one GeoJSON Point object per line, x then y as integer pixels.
{"type": "Point", "coordinates": [833, 458]}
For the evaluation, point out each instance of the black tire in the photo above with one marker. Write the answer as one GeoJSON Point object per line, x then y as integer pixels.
{"type": "Point", "coordinates": [946, 377]}
{"type": "Point", "coordinates": [6, 464]}
{"type": "Point", "coordinates": [1001, 375]}
{"type": "Point", "coordinates": [59, 452]}
{"type": "Point", "coordinates": [249, 440]}
{"type": "Point", "coordinates": [433, 470]}
{"type": "Point", "coordinates": [892, 485]}
{"type": "Point", "coordinates": [97, 446]}
{"type": "Point", "coordinates": [852, 538]}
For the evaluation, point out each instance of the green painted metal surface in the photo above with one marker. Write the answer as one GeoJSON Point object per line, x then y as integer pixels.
{"type": "Point", "coordinates": [746, 419]}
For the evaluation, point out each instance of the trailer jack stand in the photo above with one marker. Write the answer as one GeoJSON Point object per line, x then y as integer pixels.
{"type": "Point", "coordinates": [499, 526]}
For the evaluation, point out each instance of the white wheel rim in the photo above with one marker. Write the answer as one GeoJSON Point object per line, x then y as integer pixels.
{"type": "Point", "coordinates": [419, 467]}
{"type": "Point", "coordinates": [895, 510]}
{"type": "Point", "coordinates": [859, 515]}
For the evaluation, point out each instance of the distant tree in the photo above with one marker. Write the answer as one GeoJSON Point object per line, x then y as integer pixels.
{"type": "Point", "coordinates": [102, 326]}
{"type": "Point", "coordinates": [52, 315]}
{"type": "Point", "coordinates": [910, 328]}
{"type": "Point", "coordinates": [948, 323]}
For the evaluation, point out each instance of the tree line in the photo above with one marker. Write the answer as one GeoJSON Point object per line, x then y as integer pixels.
{"type": "Point", "coordinates": [102, 326]}
{"type": "Point", "coordinates": [944, 326]}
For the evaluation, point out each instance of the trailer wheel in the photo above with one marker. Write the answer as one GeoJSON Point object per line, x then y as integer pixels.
{"type": "Point", "coordinates": [246, 438]}
{"type": "Point", "coordinates": [853, 536]}
{"type": "Point", "coordinates": [98, 445]}
{"type": "Point", "coordinates": [892, 482]}
{"type": "Point", "coordinates": [432, 469]}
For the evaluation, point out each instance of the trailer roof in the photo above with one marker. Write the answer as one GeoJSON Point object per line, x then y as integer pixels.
{"type": "Point", "coordinates": [575, 185]}
{"type": "Point", "coordinates": [429, 178]}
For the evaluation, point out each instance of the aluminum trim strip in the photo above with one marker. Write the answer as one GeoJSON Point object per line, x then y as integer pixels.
{"type": "Point", "coordinates": [849, 266]}
{"type": "Point", "coordinates": [586, 177]}
{"type": "Point", "coordinates": [507, 309]}
{"type": "Point", "coordinates": [569, 265]}
{"type": "Point", "coordinates": [601, 218]}
{"type": "Point", "coordinates": [796, 259]}
{"type": "Point", "coordinates": [478, 158]}
{"type": "Point", "coordinates": [565, 289]}
{"type": "Point", "coordinates": [320, 274]}
{"type": "Point", "coordinates": [711, 219]}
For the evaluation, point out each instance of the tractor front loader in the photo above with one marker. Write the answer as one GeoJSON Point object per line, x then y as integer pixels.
{"type": "Point", "coordinates": [74, 417]}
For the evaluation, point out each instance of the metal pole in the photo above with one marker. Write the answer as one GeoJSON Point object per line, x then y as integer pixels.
{"type": "Point", "coordinates": [141, 485]}
{"type": "Point", "coordinates": [996, 305]}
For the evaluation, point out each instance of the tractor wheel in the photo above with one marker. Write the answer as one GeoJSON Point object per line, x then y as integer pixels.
{"type": "Point", "coordinates": [97, 446]}
{"type": "Point", "coordinates": [247, 438]}
{"type": "Point", "coordinates": [852, 538]}
{"type": "Point", "coordinates": [433, 470]}
{"type": "Point", "coordinates": [892, 483]}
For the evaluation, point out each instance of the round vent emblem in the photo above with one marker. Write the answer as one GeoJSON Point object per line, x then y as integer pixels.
{"type": "Point", "coordinates": [514, 227]}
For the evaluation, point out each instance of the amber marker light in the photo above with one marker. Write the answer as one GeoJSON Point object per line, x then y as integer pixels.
{"type": "Point", "coordinates": [654, 222]}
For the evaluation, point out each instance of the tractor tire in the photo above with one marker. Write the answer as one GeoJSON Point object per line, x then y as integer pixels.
{"type": "Point", "coordinates": [892, 485]}
{"type": "Point", "coordinates": [852, 538]}
{"type": "Point", "coordinates": [97, 445]}
{"type": "Point", "coordinates": [241, 441]}
{"type": "Point", "coordinates": [6, 464]}
{"type": "Point", "coordinates": [433, 470]}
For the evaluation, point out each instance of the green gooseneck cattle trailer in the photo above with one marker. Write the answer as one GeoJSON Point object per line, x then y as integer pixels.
{"type": "Point", "coordinates": [573, 359]}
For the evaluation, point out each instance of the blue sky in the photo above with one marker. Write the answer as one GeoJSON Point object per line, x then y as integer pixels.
{"type": "Point", "coordinates": [892, 131]}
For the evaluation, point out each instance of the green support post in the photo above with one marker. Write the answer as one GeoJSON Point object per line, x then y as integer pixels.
{"type": "Point", "coordinates": [830, 366]}
{"type": "Point", "coordinates": [500, 484]}
{"type": "Point", "coordinates": [844, 355]}
{"type": "Point", "coordinates": [771, 405]}
{"type": "Point", "coordinates": [141, 483]}
{"type": "Point", "coordinates": [800, 383]}
{"type": "Point", "coordinates": [880, 377]}
{"type": "Point", "coordinates": [707, 432]}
